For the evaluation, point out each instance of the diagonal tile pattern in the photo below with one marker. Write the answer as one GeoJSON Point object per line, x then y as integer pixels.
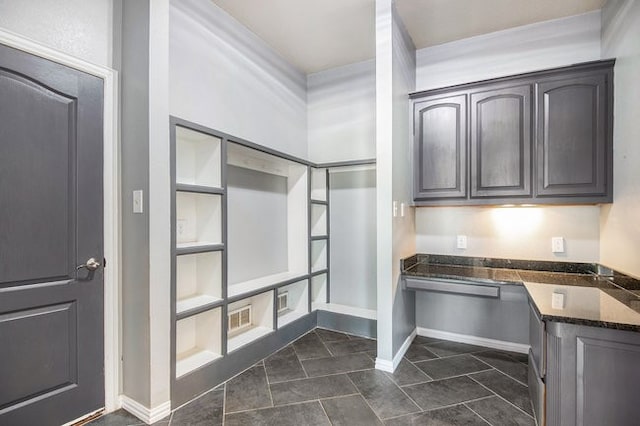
{"type": "Point", "coordinates": [327, 377]}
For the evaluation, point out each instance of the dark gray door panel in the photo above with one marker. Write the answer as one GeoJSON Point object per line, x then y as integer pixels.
{"type": "Point", "coordinates": [51, 193]}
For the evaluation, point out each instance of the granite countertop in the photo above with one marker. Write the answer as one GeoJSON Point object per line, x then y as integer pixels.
{"type": "Point", "coordinates": [594, 295]}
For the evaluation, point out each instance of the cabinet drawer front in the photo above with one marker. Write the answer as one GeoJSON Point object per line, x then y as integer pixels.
{"type": "Point", "coordinates": [573, 145]}
{"type": "Point", "coordinates": [440, 148]}
{"type": "Point", "coordinates": [501, 142]}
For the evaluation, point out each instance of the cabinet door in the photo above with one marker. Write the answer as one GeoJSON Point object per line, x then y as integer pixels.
{"type": "Point", "coordinates": [501, 142]}
{"type": "Point", "coordinates": [440, 148]}
{"type": "Point", "coordinates": [574, 147]}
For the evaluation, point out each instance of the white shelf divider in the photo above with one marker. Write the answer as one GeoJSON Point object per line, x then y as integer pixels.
{"type": "Point", "coordinates": [318, 255]}
{"type": "Point", "coordinates": [198, 341]}
{"type": "Point", "coordinates": [198, 280]}
{"type": "Point", "coordinates": [245, 287]}
{"type": "Point", "coordinates": [318, 184]}
{"type": "Point", "coordinates": [198, 219]}
{"type": "Point", "coordinates": [198, 158]}
{"type": "Point", "coordinates": [298, 301]}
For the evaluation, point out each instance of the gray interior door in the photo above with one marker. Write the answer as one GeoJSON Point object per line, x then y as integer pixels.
{"type": "Point", "coordinates": [51, 312]}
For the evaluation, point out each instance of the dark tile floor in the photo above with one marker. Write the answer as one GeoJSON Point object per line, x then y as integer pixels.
{"type": "Point", "coordinates": [327, 377]}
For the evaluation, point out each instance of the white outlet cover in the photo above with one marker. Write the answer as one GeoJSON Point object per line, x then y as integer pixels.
{"type": "Point", "coordinates": [461, 241]}
{"type": "Point", "coordinates": [557, 245]}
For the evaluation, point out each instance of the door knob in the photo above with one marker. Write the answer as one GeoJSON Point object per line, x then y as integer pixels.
{"type": "Point", "coordinates": [91, 265]}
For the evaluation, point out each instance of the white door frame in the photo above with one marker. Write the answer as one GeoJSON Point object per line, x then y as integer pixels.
{"type": "Point", "coordinates": [111, 176]}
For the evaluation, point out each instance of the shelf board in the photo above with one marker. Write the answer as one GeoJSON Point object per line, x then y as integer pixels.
{"type": "Point", "coordinates": [246, 336]}
{"type": "Point", "coordinates": [344, 309]}
{"type": "Point", "coordinates": [319, 272]}
{"type": "Point", "coordinates": [320, 202]}
{"type": "Point", "coordinates": [200, 189]}
{"type": "Point", "coordinates": [289, 316]}
{"type": "Point", "coordinates": [192, 360]}
{"type": "Point", "coordinates": [195, 304]}
{"type": "Point", "coordinates": [197, 247]}
{"type": "Point", "coordinates": [319, 237]}
{"type": "Point", "coordinates": [263, 283]}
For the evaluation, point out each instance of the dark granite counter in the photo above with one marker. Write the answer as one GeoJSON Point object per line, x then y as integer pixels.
{"type": "Point", "coordinates": [594, 295]}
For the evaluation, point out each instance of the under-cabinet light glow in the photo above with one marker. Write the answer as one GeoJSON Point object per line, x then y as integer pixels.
{"type": "Point", "coordinates": [516, 221]}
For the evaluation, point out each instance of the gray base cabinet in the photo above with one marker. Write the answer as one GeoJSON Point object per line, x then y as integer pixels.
{"type": "Point", "coordinates": [591, 375]}
{"type": "Point", "coordinates": [544, 137]}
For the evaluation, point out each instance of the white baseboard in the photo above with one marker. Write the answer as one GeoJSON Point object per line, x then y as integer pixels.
{"type": "Point", "coordinates": [474, 340]}
{"type": "Point", "coordinates": [390, 366]}
{"type": "Point", "coordinates": [147, 415]}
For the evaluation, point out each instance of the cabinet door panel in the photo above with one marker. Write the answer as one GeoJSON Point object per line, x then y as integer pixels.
{"type": "Point", "coordinates": [572, 136]}
{"type": "Point", "coordinates": [440, 148]}
{"type": "Point", "coordinates": [501, 142]}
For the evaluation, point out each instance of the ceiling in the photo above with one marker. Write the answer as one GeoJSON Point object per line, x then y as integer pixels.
{"type": "Point", "coordinates": [315, 35]}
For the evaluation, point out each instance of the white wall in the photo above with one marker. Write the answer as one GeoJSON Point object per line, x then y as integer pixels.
{"type": "Point", "coordinates": [527, 48]}
{"type": "Point", "coordinates": [533, 47]}
{"type": "Point", "coordinates": [341, 113]}
{"type": "Point", "coordinates": [620, 221]}
{"type": "Point", "coordinates": [78, 27]}
{"type": "Point", "coordinates": [225, 77]}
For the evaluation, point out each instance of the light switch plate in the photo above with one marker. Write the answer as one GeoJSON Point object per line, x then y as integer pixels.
{"type": "Point", "coordinates": [557, 301]}
{"type": "Point", "coordinates": [461, 241]}
{"type": "Point", "coordinates": [138, 206]}
{"type": "Point", "coordinates": [557, 245]}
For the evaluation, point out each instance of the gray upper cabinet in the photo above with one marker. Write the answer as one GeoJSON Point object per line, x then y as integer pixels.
{"type": "Point", "coordinates": [440, 148]}
{"type": "Point", "coordinates": [544, 137]}
{"type": "Point", "coordinates": [501, 142]}
{"type": "Point", "coordinates": [573, 149]}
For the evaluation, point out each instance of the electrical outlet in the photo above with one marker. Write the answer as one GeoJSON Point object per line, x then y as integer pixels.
{"type": "Point", "coordinates": [138, 201]}
{"type": "Point", "coordinates": [395, 209]}
{"type": "Point", "coordinates": [557, 245]}
{"type": "Point", "coordinates": [181, 227]}
{"type": "Point", "coordinates": [461, 242]}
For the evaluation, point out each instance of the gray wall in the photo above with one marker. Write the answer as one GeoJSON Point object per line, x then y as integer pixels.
{"type": "Point", "coordinates": [257, 224]}
{"type": "Point", "coordinates": [505, 319]}
{"type": "Point", "coordinates": [135, 175]}
{"type": "Point", "coordinates": [353, 238]}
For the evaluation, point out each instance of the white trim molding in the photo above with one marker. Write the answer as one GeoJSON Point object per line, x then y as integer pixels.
{"type": "Point", "coordinates": [111, 179]}
{"type": "Point", "coordinates": [147, 415]}
{"type": "Point", "coordinates": [474, 340]}
{"type": "Point", "coordinates": [390, 366]}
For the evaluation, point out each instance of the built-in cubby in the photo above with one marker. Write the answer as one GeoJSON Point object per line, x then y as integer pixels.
{"type": "Point", "coordinates": [198, 158]}
{"type": "Point", "coordinates": [260, 322]}
{"type": "Point", "coordinates": [318, 255]}
{"type": "Point", "coordinates": [318, 220]}
{"type": "Point", "coordinates": [319, 184]}
{"type": "Point", "coordinates": [198, 280]}
{"type": "Point", "coordinates": [198, 219]}
{"type": "Point", "coordinates": [198, 341]}
{"type": "Point", "coordinates": [267, 225]}
{"type": "Point", "coordinates": [293, 302]}
{"type": "Point", "coordinates": [318, 291]}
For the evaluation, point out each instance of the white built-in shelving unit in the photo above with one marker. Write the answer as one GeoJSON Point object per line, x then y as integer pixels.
{"type": "Point", "coordinates": [318, 291]}
{"type": "Point", "coordinates": [198, 340]}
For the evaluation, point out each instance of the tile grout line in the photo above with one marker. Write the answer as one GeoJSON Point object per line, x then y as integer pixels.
{"type": "Point", "coordinates": [504, 372]}
{"type": "Point", "coordinates": [496, 394]}
{"type": "Point", "coordinates": [474, 412]}
{"type": "Point", "coordinates": [324, 411]}
{"type": "Point", "coordinates": [442, 408]}
{"type": "Point", "coordinates": [452, 377]}
{"type": "Point", "coordinates": [363, 398]}
{"type": "Point", "coordinates": [268, 385]}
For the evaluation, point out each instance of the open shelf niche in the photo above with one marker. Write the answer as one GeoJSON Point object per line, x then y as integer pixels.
{"type": "Point", "coordinates": [318, 184]}
{"type": "Point", "coordinates": [198, 280]}
{"type": "Point", "coordinates": [297, 302]}
{"type": "Point", "coordinates": [198, 219]}
{"type": "Point", "coordinates": [318, 291]}
{"type": "Point", "coordinates": [198, 341]}
{"type": "Point", "coordinates": [318, 255]}
{"type": "Point", "coordinates": [319, 220]}
{"type": "Point", "coordinates": [269, 195]}
{"type": "Point", "coordinates": [198, 158]}
{"type": "Point", "coordinates": [260, 322]}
